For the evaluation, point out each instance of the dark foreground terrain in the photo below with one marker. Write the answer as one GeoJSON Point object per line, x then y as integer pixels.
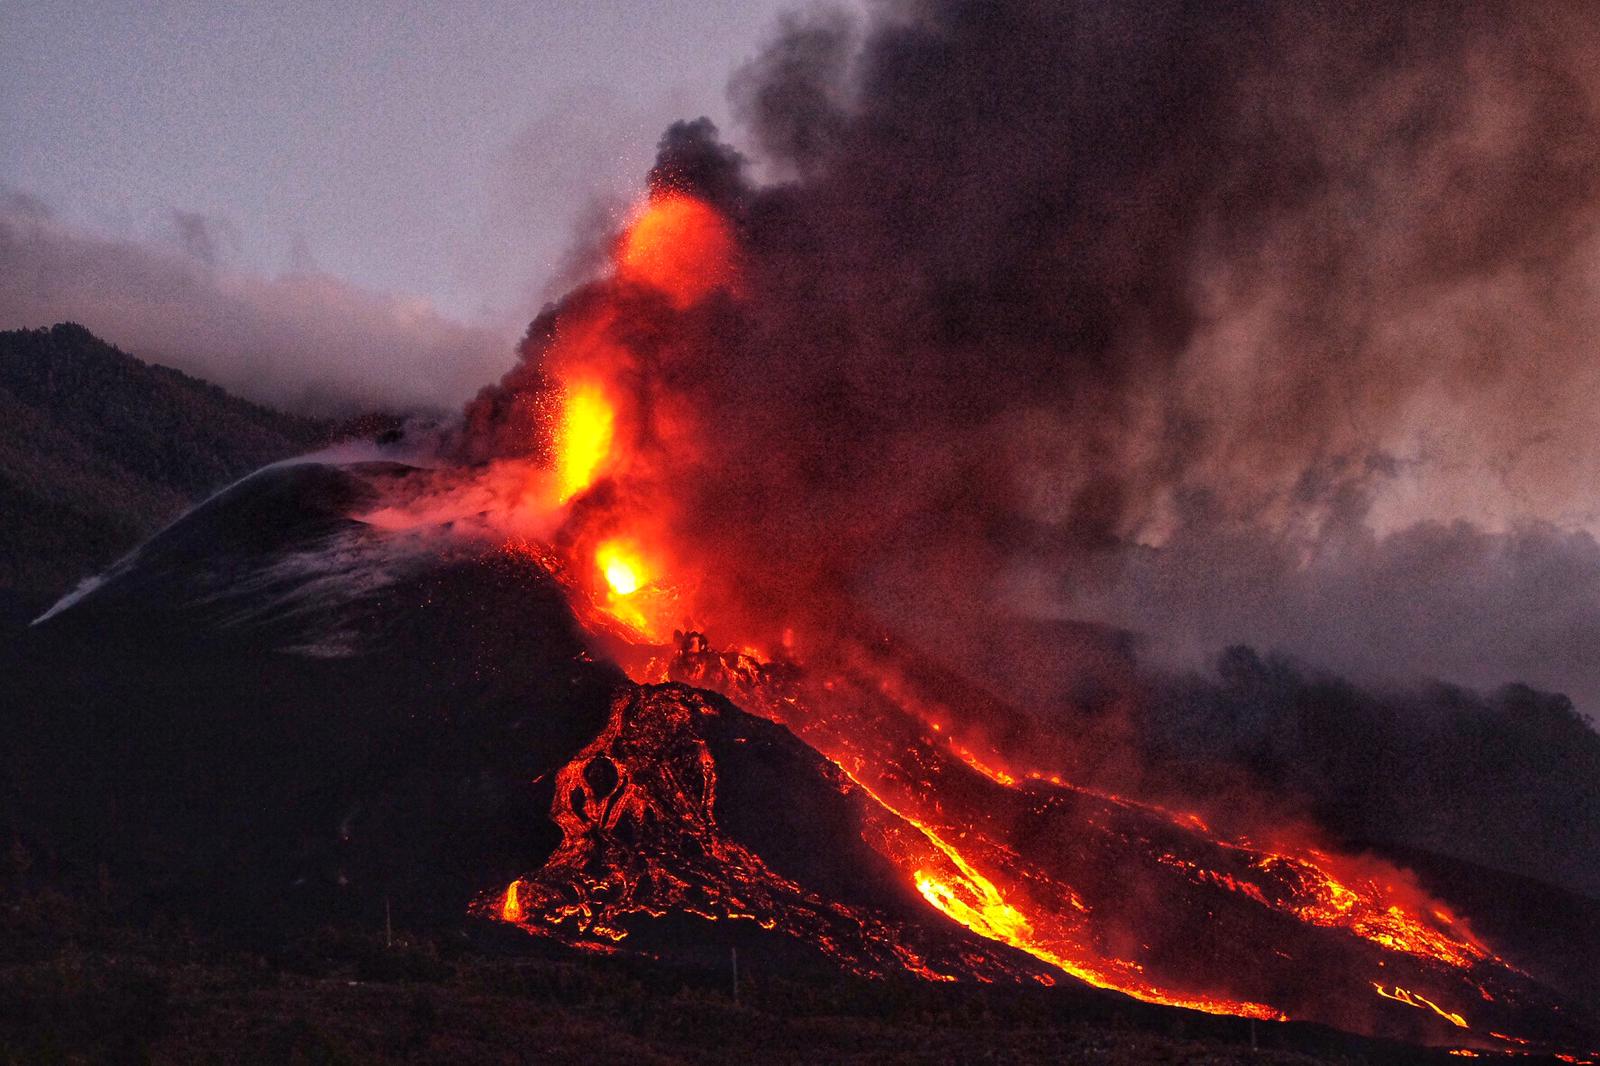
{"type": "Point", "coordinates": [82, 982]}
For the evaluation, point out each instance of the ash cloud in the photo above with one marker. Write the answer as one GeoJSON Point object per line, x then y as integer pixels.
{"type": "Point", "coordinates": [1158, 249]}
{"type": "Point", "coordinates": [304, 340]}
{"type": "Point", "coordinates": [1108, 265]}
{"type": "Point", "coordinates": [1052, 272]}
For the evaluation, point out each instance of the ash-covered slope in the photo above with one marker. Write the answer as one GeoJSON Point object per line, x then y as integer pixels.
{"type": "Point", "coordinates": [270, 712]}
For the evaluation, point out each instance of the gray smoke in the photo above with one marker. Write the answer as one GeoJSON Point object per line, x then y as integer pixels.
{"type": "Point", "coordinates": [304, 340]}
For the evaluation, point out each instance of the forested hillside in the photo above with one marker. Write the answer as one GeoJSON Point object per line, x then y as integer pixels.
{"type": "Point", "coordinates": [98, 449]}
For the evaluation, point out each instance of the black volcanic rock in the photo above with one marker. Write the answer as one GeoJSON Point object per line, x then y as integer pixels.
{"type": "Point", "coordinates": [272, 715]}
{"type": "Point", "coordinates": [690, 826]}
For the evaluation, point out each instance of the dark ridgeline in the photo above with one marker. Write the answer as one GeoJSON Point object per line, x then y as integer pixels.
{"type": "Point", "coordinates": [98, 449]}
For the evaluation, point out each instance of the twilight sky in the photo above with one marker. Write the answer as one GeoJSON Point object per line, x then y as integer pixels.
{"type": "Point", "coordinates": [417, 169]}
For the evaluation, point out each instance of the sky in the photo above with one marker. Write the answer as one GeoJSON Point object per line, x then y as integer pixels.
{"type": "Point", "coordinates": [430, 161]}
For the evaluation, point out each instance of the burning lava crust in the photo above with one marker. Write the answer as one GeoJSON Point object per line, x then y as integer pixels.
{"type": "Point", "coordinates": [1116, 893]}
{"type": "Point", "coordinates": [686, 805]}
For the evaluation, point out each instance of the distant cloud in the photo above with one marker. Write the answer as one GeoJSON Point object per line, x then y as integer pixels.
{"type": "Point", "coordinates": [1447, 600]}
{"type": "Point", "coordinates": [304, 340]}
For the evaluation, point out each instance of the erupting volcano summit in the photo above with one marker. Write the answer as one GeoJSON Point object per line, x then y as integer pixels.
{"type": "Point", "coordinates": [1055, 879]}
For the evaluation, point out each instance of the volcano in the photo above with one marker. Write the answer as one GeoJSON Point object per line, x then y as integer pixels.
{"type": "Point", "coordinates": [768, 606]}
{"type": "Point", "coordinates": [284, 707]}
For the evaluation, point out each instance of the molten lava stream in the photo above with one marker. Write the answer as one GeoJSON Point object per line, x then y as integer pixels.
{"type": "Point", "coordinates": [964, 881]}
{"type": "Point", "coordinates": [641, 840]}
{"type": "Point", "coordinates": [1062, 909]}
{"type": "Point", "coordinates": [961, 892]}
{"type": "Point", "coordinates": [957, 814]}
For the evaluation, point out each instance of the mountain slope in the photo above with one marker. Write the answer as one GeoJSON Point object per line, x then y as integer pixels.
{"type": "Point", "coordinates": [99, 448]}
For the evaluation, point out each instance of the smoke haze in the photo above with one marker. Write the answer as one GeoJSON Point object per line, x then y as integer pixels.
{"type": "Point", "coordinates": [303, 340]}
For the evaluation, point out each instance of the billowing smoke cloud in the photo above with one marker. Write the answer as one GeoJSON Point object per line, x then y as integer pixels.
{"type": "Point", "coordinates": [304, 340]}
{"type": "Point", "coordinates": [1074, 281]}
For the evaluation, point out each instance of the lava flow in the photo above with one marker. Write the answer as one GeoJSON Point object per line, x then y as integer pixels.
{"type": "Point", "coordinates": [943, 861]}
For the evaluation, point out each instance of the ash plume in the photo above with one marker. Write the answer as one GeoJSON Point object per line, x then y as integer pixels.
{"type": "Point", "coordinates": [1048, 272]}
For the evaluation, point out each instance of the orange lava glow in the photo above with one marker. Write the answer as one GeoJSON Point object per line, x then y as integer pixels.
{"type": "Point", "coordinates": [621, 574]}
{"type": "Point", "coordinates": [962, 893]}
{"type": "Point", "coordinates": [583, 439]}
{"type": "Point", "coordinates": [679, 246]}
{"type": "Point", "coordinates": [631, 596]}
{"type": "Point", "coordinates": [625, 806]}
{"type": "Point", "coordinates": [1412, 999]}
{"type": "Point", "coordinates": [965, 871]}
{"type": "Point", "coordinates": [1318, 896]}
{"type": "Point", "coordinates": [511, 907]}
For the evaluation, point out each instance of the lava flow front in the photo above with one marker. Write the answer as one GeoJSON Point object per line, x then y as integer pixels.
{"type": "Point", "coordinates": [900, 848]}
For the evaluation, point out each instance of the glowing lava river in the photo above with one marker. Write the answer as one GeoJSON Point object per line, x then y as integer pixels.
{"type": "Point", "coordinates": [903, 849]}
